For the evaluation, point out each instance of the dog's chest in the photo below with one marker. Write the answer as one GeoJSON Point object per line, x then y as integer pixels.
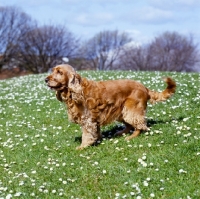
{"type": "Point", "coordinates": [74, 106]}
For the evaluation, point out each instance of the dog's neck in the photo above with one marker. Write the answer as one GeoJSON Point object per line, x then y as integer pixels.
{"type": "Point", "coordinates": [62, 94]}
{"type": "Point", "coordinates": [64, 90]}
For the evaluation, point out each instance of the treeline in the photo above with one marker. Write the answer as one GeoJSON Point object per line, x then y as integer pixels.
{"type": "Point", "coordinates": [30, 47]}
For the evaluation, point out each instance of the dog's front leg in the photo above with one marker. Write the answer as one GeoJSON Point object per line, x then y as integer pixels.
{"type": "Point", "coordinates": [90, 133]}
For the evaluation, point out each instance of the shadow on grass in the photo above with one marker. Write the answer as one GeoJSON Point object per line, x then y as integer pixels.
{"type": "Point", "coordinates": [151, 122]}
{"type": "Point", "coordinates": [109, 133]}
{"type": "Point", "coordinates": [106, 134]}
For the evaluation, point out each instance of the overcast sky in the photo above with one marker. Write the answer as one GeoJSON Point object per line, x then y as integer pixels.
{"type": "Point", "coordinates": [143, 19]}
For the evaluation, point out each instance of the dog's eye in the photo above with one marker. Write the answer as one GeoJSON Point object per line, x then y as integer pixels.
{"type": "Point", "coordinates": [60, 72]}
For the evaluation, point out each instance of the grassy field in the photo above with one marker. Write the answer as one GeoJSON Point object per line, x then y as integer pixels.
{"type": "Point", "coordinates": [37, 145]}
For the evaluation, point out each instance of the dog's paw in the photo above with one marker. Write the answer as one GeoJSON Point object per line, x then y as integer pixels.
{"type": "Point", "coordinates": [80, 148]}
{"type": "Point", "coordinates": [128, 138]}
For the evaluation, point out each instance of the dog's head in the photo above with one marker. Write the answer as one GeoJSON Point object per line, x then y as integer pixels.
{"type": "Point", "coordinates": [63, 77]}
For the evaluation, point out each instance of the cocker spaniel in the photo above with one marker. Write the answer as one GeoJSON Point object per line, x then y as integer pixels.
{"type": "Point", "coordinates": [93, 104]}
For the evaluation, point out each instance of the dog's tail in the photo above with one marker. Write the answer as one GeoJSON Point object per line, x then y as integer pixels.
{"type": "Point", "coordinates": [164, 95]}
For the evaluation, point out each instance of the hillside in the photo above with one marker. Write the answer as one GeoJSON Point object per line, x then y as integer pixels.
{"type": "Point", "coordinates": [39, 160]}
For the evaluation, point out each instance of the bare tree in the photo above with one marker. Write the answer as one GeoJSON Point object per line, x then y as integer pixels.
{"type": "Point", "coordinates": [173, 52]}
{"type": "Point", "coordinates": [44, 47]}
{"type": "Point", "coordinates": [13, 25]}
{"type": "Point", "coordinates": [101, 51]}
{"type": "Point", "coordinates": [133, 58]}
{"type": "Point", "coordinates": [168, 52]}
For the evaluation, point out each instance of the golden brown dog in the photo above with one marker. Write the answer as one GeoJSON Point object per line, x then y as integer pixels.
{"type": "Point", "coordinates": [93, 104]}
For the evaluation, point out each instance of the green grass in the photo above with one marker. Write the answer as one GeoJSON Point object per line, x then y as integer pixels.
{"type": "Point", "coordinates": [37, 145]}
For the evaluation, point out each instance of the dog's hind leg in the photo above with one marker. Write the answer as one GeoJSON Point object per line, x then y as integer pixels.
{"type": "Point", "coordinates": [133, 135]}
{"type": "Point", "coordinates": [134, 114]}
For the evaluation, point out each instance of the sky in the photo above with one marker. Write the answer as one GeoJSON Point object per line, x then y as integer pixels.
{"type": "Point", "coordinates": [142, 19]}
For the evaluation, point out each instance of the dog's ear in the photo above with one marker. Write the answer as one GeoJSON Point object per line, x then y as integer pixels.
{"type": "Point", "coordinates": [58, 96]}
{"type": "Point", "coordinates": [75, 83]}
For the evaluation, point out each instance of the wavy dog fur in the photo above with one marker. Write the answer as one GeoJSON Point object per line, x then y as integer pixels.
{"type": "Point", "coordinates": [93, 104]}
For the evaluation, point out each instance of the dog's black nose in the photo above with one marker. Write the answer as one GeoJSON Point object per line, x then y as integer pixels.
{"type": "Point", "coordinates": [46, 80]}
